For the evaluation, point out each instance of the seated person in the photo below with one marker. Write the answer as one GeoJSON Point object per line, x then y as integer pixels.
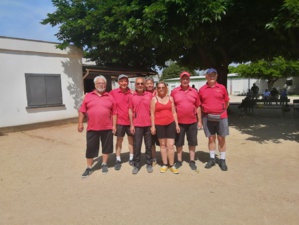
{"type": "Point", "coordinates": [266, 94]}
{"type": "Point", "coordinates": [274, 93]}
{"type": "Point", "coordinates": [284, 94]}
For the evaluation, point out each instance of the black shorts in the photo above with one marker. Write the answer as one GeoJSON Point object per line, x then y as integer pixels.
{"type": "Point", "coordinates": [191, 132]}
{"type": "Point", "coordinates": [121, 130]}
{"type": "Point", "coordinates": [155, 140]}
{"type": "Point", "coordinates": [166, 131]}
{"type": "Point", "coordinates": [93, 143]}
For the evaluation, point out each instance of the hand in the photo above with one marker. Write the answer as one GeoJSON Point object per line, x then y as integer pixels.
{"type": "Point", "coordinates": [114, 130]}
{"type": "Point", "coordinates": [153, 130]}
{"type": "Point", "coordinates": [80, 127]}
{"type": "Point", "coordinates": [177, 128]}
{"type": "Point", "coordinates": [132, 130]}
{"type": "Point", "coordinates": [199, 125]}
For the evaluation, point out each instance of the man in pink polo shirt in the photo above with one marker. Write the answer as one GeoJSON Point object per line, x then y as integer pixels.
{"type": "Point", "coordinates": [215, 101]}
{"type": "Point", "coordinates": [100, 110]}
{"type": "Point", "coordinates": [140, 120]}
{"type": "Point", "coordinates": [121, 98]}
{"type": "Point", "coordinates": [186, 101]}
{"type": "Point", "coordinates": [150, 87]}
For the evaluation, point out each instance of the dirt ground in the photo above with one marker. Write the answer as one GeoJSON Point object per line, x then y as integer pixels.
{"type": "Point", "coordinates": [40, 180]}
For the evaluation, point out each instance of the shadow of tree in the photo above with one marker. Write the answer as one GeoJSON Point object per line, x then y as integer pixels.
{"type": "Point", "coordinates": [75, 84]}
{"type": "Point", "coordinates": [265, 126]}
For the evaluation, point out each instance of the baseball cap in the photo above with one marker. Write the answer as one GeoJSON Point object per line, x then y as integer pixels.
{"type": "Point", "coordinates": [184, 73]}
{"type": "Point", "coordinates": [122, 76]}
{"type": "Point", "coordinates": [211, 70]}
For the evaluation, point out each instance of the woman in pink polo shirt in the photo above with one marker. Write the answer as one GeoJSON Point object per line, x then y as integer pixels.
{"type": "Point", "coordinates": [165, 125]}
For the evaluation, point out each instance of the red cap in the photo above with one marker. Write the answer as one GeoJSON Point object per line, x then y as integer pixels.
{"type": "Point", "coordinates": [184, 73]}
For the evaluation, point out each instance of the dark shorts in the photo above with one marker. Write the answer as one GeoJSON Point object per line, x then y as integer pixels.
{"type": "Point", "coordinates": [93, 139]}
{"type": "Point", "coordinates": [155, 140]}
{"type": "Point", "coordinates": [190, 130]}
{"type": "Point", "coordinates": [166, 131]}
{"type": "Point", "coordinates": [212, 128]}
{"type": "Point", "coordinates": [121, 130]}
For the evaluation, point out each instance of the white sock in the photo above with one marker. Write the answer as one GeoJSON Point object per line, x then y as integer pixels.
{"type": "Point", "coordinates": [212, 154]}
{"type": "Point", "coordinates": [222, 155]}
{"type": "Point", "coordinates": [131, 156]}
{"type": "Point", "coordinates": [118, 158]}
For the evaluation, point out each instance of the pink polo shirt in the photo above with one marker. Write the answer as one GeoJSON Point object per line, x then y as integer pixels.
{"type": "Point", "coordinates": [140, 106]}
{"type": "Point", "coordinates": [213, 99]}
{"type": "Point", "coordinates": [99, 111]}
{"type": "Point", "coordinates": [186, 103]}
{"type": "Point", "coordinates": [122, 105]}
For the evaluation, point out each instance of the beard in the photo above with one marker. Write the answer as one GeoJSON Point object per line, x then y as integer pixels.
{"type": "Point", "coordinates": [100, 89]}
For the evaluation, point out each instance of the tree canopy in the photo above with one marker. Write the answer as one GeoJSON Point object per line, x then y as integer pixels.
{"type": "Point", "coordinates": [269, 70]}
{"type": "Point", "coordinates": [197, 34]}
{"type": "Point", "coordinates": [173, 70]}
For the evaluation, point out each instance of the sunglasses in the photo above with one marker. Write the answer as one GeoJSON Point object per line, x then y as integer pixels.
{"type": "Point", "coordinates": [139, 83]}
{"type": "Point", "coordinates": [161, 87]}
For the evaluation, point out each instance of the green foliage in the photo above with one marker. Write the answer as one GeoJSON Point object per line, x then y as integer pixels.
{"type": "Point", "coordinates": [197, 34]}
{"type": "Point", "coordinates": [174, 71]}
{"type": "Point", "coordinates": [269, 70]}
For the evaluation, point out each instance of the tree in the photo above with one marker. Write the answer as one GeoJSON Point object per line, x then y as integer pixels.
{"type": "Point", "coordinates": [173, 71]}
{"type": "Point", "coordinates": [267, 70]}
{"type": "Point", "coordinates": [197, 34]}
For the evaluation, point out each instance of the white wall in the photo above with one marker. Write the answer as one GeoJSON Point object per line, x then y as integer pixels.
{"type": "Point", "coordinates": [239, 86]}
{"type": "Point", "coordinates": [19, 56]}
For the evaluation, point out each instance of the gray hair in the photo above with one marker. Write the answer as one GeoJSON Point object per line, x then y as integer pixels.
{"type": "Point", "coordinates": [149, 78]}
{"type": "Point", "coordinates": [100, 77]}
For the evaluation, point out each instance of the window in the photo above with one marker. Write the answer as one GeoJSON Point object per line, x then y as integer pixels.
{"type": "Point", "coordinates": [43, 90]}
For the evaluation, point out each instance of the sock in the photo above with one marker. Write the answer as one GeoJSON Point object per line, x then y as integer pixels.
{"type": "Point", "coordinates": [222, 155]}
{"type": "Point", "coordinates": [212, 154]}
{"type": "Point", "coordinates": [118, 158]}
{"type": "Point", "coordinates": [104, 164]}
{"type": "Point", "coordinates": [131, 156]}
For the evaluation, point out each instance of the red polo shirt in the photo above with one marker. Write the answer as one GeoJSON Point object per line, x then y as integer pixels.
{"type": "Point", "coordinates": [99, 111]}
{"type": "Point", "coordinates": [213, 99]}
{"type": "Point", "coordinates": [140, 106]}
{"type": "Point", "coordinates": [122, 105]}
{"type": "Point", "coordinates": [186, 103]}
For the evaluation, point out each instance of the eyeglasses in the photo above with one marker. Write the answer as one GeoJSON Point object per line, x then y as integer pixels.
{"type": "Point", "coordinates": [101, 83]}
{"type": "Point", "coordinates": [139, 83]}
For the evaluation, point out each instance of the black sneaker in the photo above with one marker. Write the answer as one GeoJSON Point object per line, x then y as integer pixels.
{"type": "Point", "coordinates": [222, 165]}
{"type": "Point", "coordinates": [104, 169]}
{"type": "Point", "coordinates": [210, 163]}
{"type": "Point", "coordinates": [149, 168]}
{"type": "Point", "coordinates": [135, 170]}
{"type": "Point", "coordinates": [117, 165]}
{"type": "Point", "coordinates": [178, 164]}
{"type": "Point", "coordinates": [87, 172]}
{"type": "Point", "coordinates": [192, 165]}
{"type": "Point", "coordinates": [131, 163]}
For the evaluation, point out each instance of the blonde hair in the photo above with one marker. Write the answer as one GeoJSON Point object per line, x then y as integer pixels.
{"type": "Point", "coordinates": [166, 86]}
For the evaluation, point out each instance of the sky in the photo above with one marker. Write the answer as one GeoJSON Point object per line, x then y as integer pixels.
{"type": "Point", "coordinates": [21, 19]}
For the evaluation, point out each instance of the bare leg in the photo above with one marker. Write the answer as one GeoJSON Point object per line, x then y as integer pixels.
{"type": "Point", "coordinates": [170, 151]}
{"type": "Point", "coordinates": [163, 150]}
{"type": "Point", "coordinates": [118, 145]}
{"type": "Point", "coordinates": [192, 153]}
{"type": "Point", "coordinates": [179, 151]}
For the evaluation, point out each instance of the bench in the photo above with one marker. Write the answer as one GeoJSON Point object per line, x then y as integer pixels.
{"type": "Point", "coordinates": [248, 105]}
{"type": "Point", "coordinates": [295, 106]}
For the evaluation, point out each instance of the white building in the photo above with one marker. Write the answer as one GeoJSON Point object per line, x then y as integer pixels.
{"type": "Point", "coordinates": [39, 83]}
{"type": "Point", "coordinates": [237, 85]}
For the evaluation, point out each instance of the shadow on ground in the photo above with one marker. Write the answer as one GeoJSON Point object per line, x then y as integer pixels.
{"type": "Point", "coordinates": [265, 125]}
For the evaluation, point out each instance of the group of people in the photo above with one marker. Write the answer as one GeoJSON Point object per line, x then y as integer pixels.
{"type": "Point", "coordinates": [158, 118]}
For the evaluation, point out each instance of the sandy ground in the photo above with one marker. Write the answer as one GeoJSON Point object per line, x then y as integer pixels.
{"type": "Point", "coordinates": [40, 180]}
